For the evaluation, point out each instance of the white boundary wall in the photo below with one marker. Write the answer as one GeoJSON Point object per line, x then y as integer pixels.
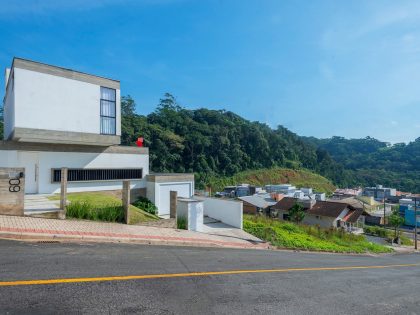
{"type": "Point", "coordinates": [192, 210]}
{"type": "Point", "coordinates": [38, 167]}
{"type": "Point", "coordinates": [159, 194]}
{"type": "Point", "coordinates": [228, 211]}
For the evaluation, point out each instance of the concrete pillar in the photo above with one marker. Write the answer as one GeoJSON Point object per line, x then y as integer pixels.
{"type": "Point", "coordinates": [63, 193]}
{"type": "Point", "coordinates": [126, 200]}
{"type": "Point", "coordinates": [173, 204]}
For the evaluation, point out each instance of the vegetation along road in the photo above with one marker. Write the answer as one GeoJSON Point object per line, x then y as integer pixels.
{"type": "Point", "coordinates": [40, 278]}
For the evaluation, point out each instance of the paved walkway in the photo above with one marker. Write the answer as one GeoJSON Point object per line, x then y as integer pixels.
{"type": "Point", "coordinates": [36, 204]}
{"type": "Point", "coordinates": [77, 230]}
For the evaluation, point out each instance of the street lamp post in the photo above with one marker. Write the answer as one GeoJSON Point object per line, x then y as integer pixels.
{"type": "Point", "coordinates": [384, 209]}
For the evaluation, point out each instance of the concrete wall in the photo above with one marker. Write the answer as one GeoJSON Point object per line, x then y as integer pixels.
{"type": "Point", "coordinates": [38, 167]}
{"type": "Point", "coordinates": [159, 194]}
{"type": "Point", "coordinates": [324, 222]}
{"type": "Point", "coordinates": [228, 211]}
{"type": "Point", "coordinates": [11, 191]}
{"type": "Point", "coordinates": [44, 101]}
{"type": "Point", "coordinates": [192, 210]}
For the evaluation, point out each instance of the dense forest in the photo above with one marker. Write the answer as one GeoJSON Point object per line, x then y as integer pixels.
{"type": "Point", "coordinates": [218, 142]}
{"type": "Point", "coordinates": [215, 143]}
{"type": "Point", "coordinates": [368, 161]}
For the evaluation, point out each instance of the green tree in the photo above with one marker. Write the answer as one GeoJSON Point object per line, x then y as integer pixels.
{"type": "Point", "coordinates": [128, 106]}
{"type": "Point", "coordinates": [297, 213]}
{"type": "Point", "coordinates": [395, 220]}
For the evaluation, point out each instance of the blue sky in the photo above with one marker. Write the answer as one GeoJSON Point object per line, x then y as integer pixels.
{"type": "Point", "coordinates": [320, 68]}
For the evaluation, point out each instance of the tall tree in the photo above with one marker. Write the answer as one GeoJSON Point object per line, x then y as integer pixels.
{"type": "Point", "coordinates": [297, 213]}
{"type": "Point", "coordinates": [128, 106]}
{"type": "Point", "coordinates": [395, 220]}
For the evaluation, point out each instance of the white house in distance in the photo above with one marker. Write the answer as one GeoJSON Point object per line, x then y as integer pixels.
{"type": "Point", "coordinates": [56, 117]}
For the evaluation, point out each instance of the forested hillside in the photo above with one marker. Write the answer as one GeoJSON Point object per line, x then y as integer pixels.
{"type": "Point", "coordinates": [368, 161]}
{"type": "Point", "coordinates": [218, 142]}
{"type": "Point", "coordinates": [214, 143]}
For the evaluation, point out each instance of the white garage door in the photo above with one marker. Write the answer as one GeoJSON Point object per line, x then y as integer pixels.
{"type": "Point", "coordinates": [183, 189]}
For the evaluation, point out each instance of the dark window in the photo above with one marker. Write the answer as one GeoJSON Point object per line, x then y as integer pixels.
{"type": "Point", "coordinates": [108, 111]}
{"type": "Point", "coordinates": [81, 175]}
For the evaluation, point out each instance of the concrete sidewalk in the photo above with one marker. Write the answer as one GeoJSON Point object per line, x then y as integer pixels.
{"type": "Point", "coordinates": [28, 228]}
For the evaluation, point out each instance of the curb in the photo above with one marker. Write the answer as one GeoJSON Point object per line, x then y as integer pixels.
{"type": "Point", "coordinates": [33, 237]}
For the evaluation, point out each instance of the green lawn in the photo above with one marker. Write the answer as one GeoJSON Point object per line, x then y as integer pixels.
{"type": "Point", "coordinates": [289, 235]}
{"type": "Point", "coordinates": [105, 200]}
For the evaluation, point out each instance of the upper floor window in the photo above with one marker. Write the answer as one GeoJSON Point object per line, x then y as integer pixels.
{"type": "Point", "coordinates": [108, 111]}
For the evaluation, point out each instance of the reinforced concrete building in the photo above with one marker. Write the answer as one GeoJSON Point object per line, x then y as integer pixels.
{"type": "Point", "coordinates": [56, 117]}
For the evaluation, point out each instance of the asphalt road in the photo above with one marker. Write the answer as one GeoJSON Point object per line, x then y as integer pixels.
{"type": "Point", "coordinates": [308, 290]}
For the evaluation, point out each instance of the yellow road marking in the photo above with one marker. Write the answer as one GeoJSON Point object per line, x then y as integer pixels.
{"type": "Point", "coordinates": [189, 274]}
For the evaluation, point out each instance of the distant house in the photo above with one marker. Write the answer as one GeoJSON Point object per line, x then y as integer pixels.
{"type": "Point", "coordinates": [257, 203]}
{"type": "Point", "coordinates": [379, 192]}
{"type": "Point", "coordinates": [342, 193]}
{"type": "Point", "coordinates": [326, 214]}
{"type": "Point", "coordinates": [406, 209]}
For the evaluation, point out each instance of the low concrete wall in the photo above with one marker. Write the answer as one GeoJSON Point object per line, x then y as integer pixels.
{"type": "Point", "coordinates": [228, 211]}
{"type": "Point", "coordinates": [192, 210]}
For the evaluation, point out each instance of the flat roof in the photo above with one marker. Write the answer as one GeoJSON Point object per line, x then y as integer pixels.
{"type": "Point", "coordinates": [36, 66]}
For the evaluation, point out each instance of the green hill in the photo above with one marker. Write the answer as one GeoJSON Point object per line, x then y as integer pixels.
{"type": "Point", "coordinates": [299, 178]}
{"type": "Point", "coordinates": [218, 143]}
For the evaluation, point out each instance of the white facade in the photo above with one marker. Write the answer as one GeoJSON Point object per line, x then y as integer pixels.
{"type": "Point", "coordinates": [50, 104]}
{"type": "Point", "coordinates": [59, 118]}
{"type": "Point", "coordinates": [38, 166]}
{"type": "Point", "coordinates": [75, 105]}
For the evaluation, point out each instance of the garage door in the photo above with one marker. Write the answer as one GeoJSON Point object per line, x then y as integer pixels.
{"type": "Point", "coordinates": [183, 189]}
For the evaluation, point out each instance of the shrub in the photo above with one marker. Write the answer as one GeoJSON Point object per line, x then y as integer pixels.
{"type": "Point", "coordinates": [181, 223]}
{"type": "Point", "coordinates": [290, 235]}
{"type": "Point", "coordinates": [146, 205]}
{"type": "Point", "coordinates": [85, 210]}
{"type": "Point", "coordinates": [377, 231]}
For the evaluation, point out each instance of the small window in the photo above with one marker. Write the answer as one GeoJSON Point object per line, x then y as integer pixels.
{"type": "Point", "coordinates": [108, 111]}
{"type": "Point", "coordinates": [86, 175]}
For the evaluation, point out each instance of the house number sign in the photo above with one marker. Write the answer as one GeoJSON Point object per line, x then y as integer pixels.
{"type": "Point", "coordinates": [14, 185]}
{"type": "Point", "coordinates": [12, 190]}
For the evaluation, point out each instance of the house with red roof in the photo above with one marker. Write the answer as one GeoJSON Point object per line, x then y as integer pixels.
{"type": "Point", "coordinates": [325, 214]}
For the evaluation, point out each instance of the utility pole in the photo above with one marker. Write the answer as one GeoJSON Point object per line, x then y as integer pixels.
{"type": "Point", "coordinates": [384, 209]}
{"type": "Point", "coordinates": [415, 223]}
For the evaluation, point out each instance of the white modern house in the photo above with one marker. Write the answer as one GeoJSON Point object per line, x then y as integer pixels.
{"type": "Point", "coordinates": [56, 117]}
